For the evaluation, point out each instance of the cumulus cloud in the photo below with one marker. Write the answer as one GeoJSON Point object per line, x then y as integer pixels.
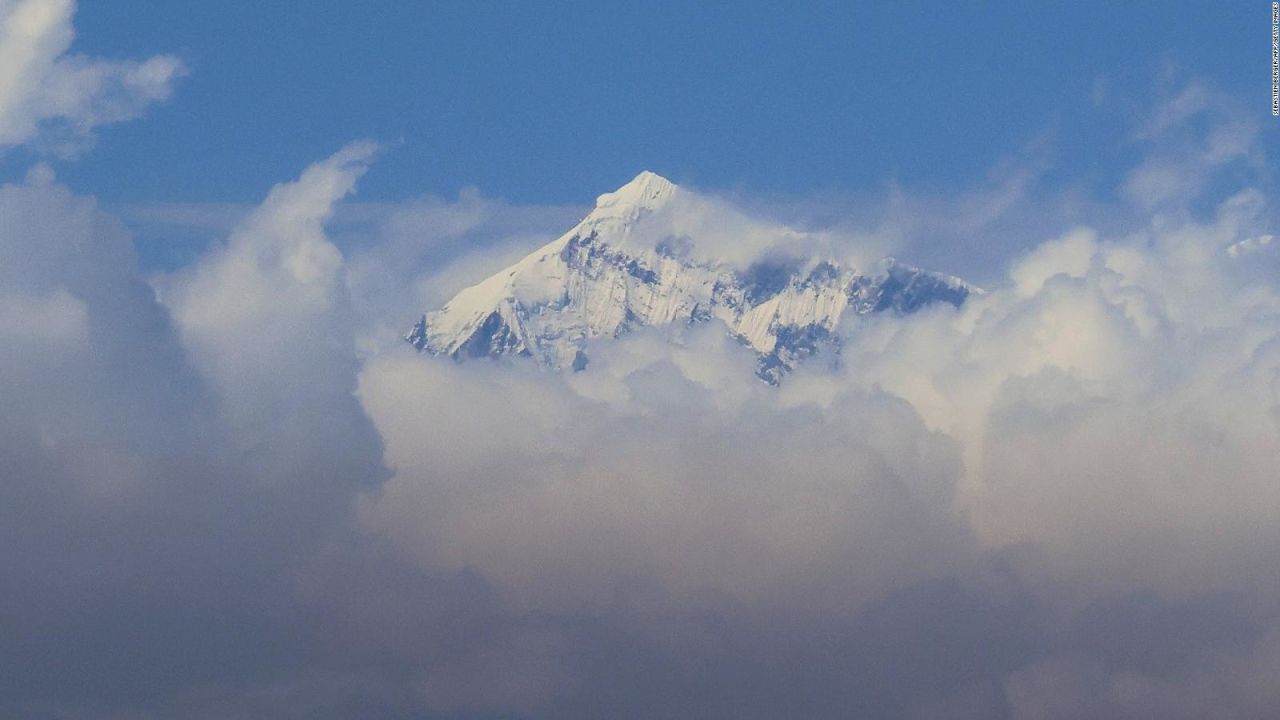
{"type": "Point", "coordinates": [152, 508]}
{"type": "Point", "coordinates": [274, 294]}
{"type": "Point", "coordinates": [1055, 500]}
{"type": "Point", "coordinates": [57, 98]}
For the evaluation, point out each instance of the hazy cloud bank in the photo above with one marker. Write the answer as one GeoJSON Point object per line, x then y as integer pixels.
{"type": "Point", "coordinates": [229, 490]}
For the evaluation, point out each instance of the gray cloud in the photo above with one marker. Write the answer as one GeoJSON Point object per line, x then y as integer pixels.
{"type": "Point", "coordinates": [154, 516]}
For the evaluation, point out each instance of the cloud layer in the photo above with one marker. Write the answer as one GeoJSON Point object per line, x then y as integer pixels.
{"type": "Point", "coordinates": [1055, 501]}
{"type": "Point", "coordinates": [230, 491]}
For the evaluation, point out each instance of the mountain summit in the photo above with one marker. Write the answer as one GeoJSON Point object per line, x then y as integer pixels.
{"type": "Point", "coordinates": [635, 261]}
{"type": "Point", "coordinates": [647, 191]}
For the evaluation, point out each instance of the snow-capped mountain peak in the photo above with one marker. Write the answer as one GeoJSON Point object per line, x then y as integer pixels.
{"type": "Point", "coordinates": [647, 191]}
{"type": "Point", "coordinates": [621, 267]}
{"type": "Point", "coordinates": [620, 210]}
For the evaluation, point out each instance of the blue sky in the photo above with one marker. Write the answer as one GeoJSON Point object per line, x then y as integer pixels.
{"type": "Point", "coordinates": [542, 106]}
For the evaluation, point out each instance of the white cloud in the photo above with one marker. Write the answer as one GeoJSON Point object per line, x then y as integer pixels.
{"type": "Point", "coordinates": [44, 88]}
{"type": "Point", "coordinates": [1102, 425]}
{"type": "Point", "coordinates": [1191, 136]}
{"type": "Point", "coordinates": [274, 296]}
{"type": "Point", "coordinates": [1069, 256]}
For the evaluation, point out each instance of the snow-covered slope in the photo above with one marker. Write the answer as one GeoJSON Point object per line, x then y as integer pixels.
{"type": "Point", "coordinates": [627, 264]}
